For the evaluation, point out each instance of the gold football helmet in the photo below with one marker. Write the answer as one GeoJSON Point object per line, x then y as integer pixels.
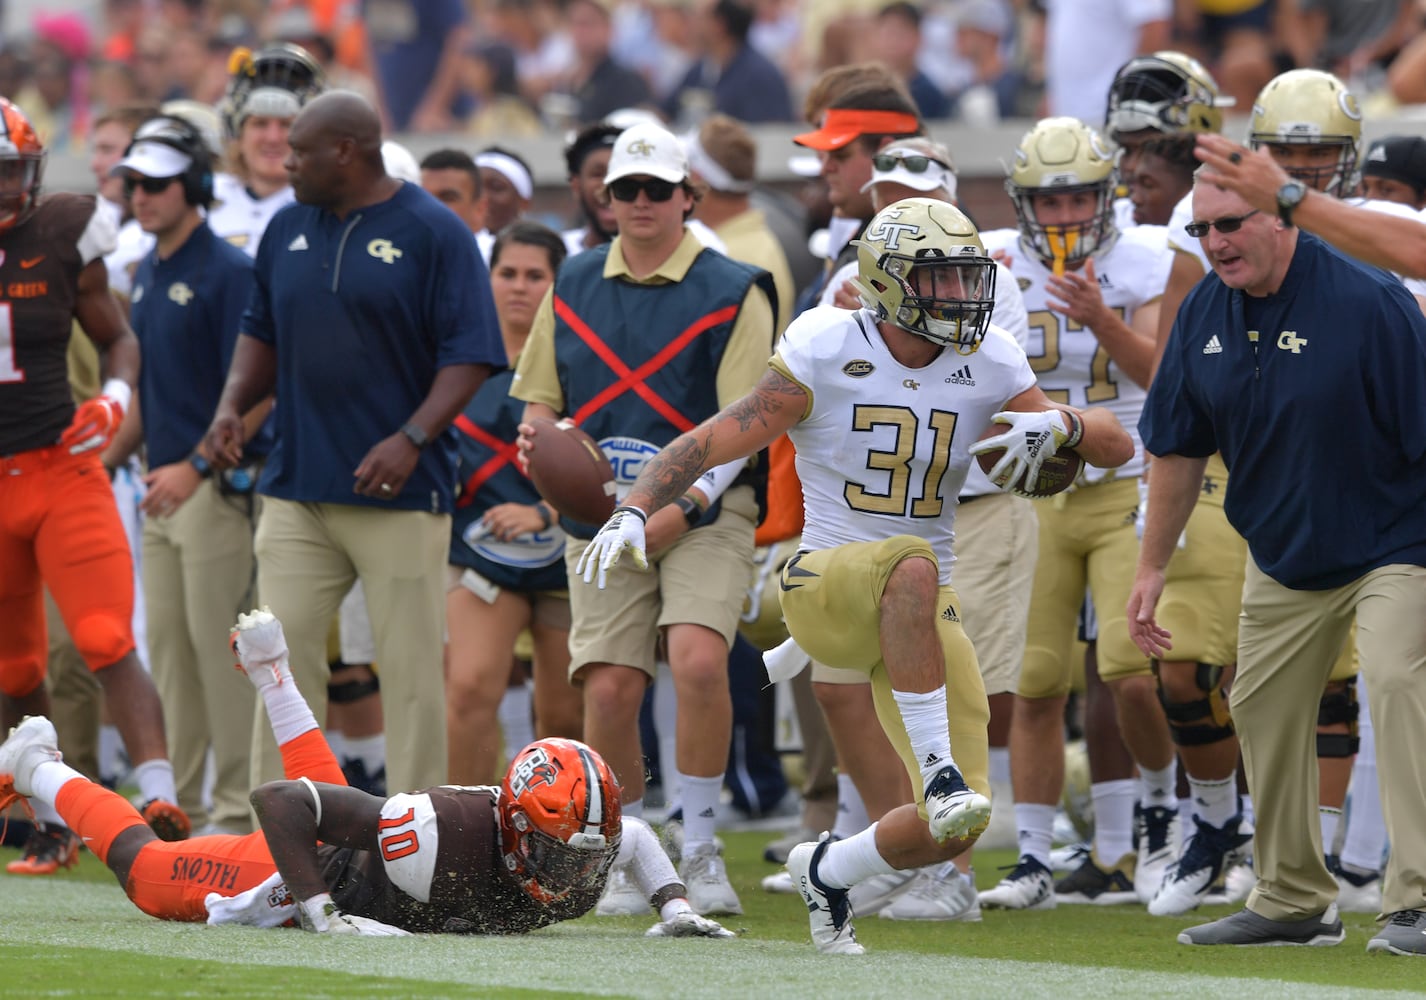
{"type": "Point", "coordinates": [1063, 156]}
{"type": "Point", "coordinates": [922, 267]}
{"type": "Point", "coordinates": [1168, 92]}
{"type": "Point", "coordinates": [1307, 107]}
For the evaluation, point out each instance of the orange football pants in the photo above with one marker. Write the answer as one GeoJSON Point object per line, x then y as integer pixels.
{"type": "Point", "coordinates": [170, 880]}
{"type": "Point", "coordinates": [60, 528]}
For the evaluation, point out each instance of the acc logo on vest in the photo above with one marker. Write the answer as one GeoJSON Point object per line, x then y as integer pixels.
{"type": "Point", "coordinates": [627, 456]}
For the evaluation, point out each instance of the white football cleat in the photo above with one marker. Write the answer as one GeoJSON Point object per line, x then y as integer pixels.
{"type": "Point", "coordinates": [689, 924]}
{"type": "Point", "coordinates": [706, 878]}
{"type": "Point", "coordinates": [930, 897]}
{"type": "Point", "coordinates": [29, 745]}
{"type": "Point", "coordinates": [952, 808]}
{"type": "Point", "coordinates": [622, 896]}
{"type": "Point", "coordinates": [261, 648]}
{"type": "Point", "coordinates": [1210, 851]}
{"type": "Point", "coordinates": [829, 911]}
{"type": "Point", "coordinates": [779, 883]}
{"type": "Point", "coordinates": [871, 895]}
{"type": "Point", "coordinates": [1029, 886]}
{"type": "Point", "coordinates": [1358, 893]}
{"type": "Point", "coordinates": [1158, 828]}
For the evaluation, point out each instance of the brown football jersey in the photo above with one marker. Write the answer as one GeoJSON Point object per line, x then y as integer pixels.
{"type": "Point", "coordinates": [442, 844]}
{"type": "Point", "coordinates": [40, 261]}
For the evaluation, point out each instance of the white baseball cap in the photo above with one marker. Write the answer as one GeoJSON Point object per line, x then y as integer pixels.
{"type": "Point", "coordinates": [937, 171]}
{"type": "Point", "coordinates": [152, 159]}
{"type": "Point", "coordinates": [649, 150]}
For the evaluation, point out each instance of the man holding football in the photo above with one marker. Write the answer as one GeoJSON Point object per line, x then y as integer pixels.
{"type": "Point", "coordinates": [885, 421]}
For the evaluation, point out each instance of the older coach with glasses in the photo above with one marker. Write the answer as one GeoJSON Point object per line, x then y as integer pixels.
{"type": "Point", "coordinates": [1304, 368]}
{"type": "Point", "coordinates": [639, 340]}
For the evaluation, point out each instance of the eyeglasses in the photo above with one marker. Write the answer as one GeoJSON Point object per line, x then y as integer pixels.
{"type": "Point", "coordinates": [1232, 224]}
{"type": "Point", "coordinates": [887, 162]}
{"type": "Point", "coordinates": [150, 185]}
{"type": "Point", "coordinates": [628, 188]}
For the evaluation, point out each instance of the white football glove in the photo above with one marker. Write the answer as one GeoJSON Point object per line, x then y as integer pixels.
{"type": "Point", "coordinates": [1032, 438]}
{"type": "Point", "coordinates": [689, 924]}
{"type": "Point", "coordinates": [624, 530]}
{"type": "Point", "coordinates": [320, 915]}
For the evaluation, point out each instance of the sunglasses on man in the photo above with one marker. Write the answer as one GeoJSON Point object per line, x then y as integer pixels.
{"type": "Point", "coordinates": [149, 185]}
{"type": "Point", "coordinates": [887, 162]}
{"type": "Point", "coordinates": [628, 188]}
{"type": "Point", "coordinates": [1231, 224]}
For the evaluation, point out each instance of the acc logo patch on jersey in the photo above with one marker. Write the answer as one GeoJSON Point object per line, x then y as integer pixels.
{"type": "Point", "coordinates": [383, 250]}
{"type": "Point", "coordinates": [534, 769]}
{"type": "Point", "coordinates": [858, 368]}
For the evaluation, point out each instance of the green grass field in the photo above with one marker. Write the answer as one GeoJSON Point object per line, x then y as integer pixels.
{"type": "Point", "coordinates": [76, 935]}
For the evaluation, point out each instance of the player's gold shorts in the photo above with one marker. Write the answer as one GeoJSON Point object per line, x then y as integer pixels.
{"type": "Point", "coordinates": [831, 600]}
{"type": "Point", "coordinates": [1087, 538]}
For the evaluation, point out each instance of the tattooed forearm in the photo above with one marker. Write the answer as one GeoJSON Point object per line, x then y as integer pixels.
{"type": "Point", "coordinates": [670, 473]}
{"type": "Point", "coordinates": [772, 392]}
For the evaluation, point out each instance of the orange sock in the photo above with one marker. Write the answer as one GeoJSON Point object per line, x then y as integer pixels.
{"type": "Point", "coordinates": [309, 756]}
{"type": "Point", "coordinates": [96, 814]}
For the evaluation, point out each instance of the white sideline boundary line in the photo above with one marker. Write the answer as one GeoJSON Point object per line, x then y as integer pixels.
{"type": "Point", "coordinates": [586, 958]}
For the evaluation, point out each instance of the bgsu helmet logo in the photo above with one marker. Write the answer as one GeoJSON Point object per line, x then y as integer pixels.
{"type": "Point", "coordinates": [534, 769]}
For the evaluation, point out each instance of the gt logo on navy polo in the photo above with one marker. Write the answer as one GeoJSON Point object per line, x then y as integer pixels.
{"type": "Point", "coordinates": [383, 250]}
{"type": "Point", "coordinates": [180, 293]}
{"type": "Point", "coordinates": [1288, 340]}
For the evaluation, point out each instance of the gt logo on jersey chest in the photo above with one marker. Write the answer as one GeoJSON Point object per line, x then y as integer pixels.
{"type": "Point", "coordinates": [1288, 340]}
{"type": "Point", "coordinates": [383, 250]}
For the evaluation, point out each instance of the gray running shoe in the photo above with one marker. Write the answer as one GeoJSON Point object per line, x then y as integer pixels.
{"type": "Point", "coordinates": [1247, 928]}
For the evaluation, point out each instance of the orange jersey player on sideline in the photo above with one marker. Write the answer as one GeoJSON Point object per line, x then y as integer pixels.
{"type": "Point", "coordinates": [455, 859]}
{"type": "Point", "coordinates": [59, 526]}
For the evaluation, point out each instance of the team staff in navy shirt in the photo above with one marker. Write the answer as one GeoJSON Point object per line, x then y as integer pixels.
{"type": "Point", "coordinates": [371, 317]}
{"type": "Point", "coordinates": [188, 295]}
{"type": "Point", "coordinates": [1305, 369]}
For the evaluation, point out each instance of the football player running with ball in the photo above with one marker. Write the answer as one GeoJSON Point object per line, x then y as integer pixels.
{"type": "Point", "coordinates": [884, 431]}
{"type": "Point", "coordinates": [453, 859]}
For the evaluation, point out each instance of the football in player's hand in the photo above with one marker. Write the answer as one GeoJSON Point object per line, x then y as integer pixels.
{"type": "Point", "coordinates": [1057, 473]}
{"type": "Point", "coordinates": [570, 471]}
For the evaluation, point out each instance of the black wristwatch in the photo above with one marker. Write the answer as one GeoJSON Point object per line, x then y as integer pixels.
{"type": "Point", "coordinates": [692, 513]}
{"type": "Point", "coordinates": [198, 462]}
{"type": "Point", "coordinates": [415, 435]}
{"type": "Point", "coordinates": [1289, 196]}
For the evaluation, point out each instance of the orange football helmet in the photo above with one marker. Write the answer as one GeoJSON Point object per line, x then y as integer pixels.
{"type": "Point", "coordinates": [22, 165]}
{"type": "Point", "coordinates": [560, 822]}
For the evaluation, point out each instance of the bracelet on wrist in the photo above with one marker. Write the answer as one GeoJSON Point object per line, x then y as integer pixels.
{"type": "Point", "coordinates": [547, 516]}
{"type": "Point", "coordinates": [633, 510]}
{"type": "Point", "coordinates": [692, 512]}
{"type": "Point", "coordinates": [1076, 428]}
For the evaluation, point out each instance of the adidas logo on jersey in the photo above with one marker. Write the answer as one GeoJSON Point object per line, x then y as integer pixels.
{"type": "Point", "coordinates": [1104, 281]}
{"type": "Point", "coordinates": [300, 243]}
{"type": "Point", "coordinates": [962, 377]}
{"type": "Point", "coordinates": [950, 614]}
{"type": "Point", "coordinates": [1213, 346]}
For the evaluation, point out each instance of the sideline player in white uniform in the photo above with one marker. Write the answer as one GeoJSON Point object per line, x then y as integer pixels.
{"type": "Point", "coordinates": [1092, 293]}
{"type": "Point", "coordinates": [885, 422]}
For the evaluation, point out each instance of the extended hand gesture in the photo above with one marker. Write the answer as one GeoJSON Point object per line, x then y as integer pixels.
{"type": "Point", "coordinates": [623, 531]}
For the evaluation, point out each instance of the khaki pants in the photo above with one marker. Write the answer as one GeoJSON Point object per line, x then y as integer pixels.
{"type": "Point", "coordinates": [996, 545]}
{"type": "Point", "coordinates": [309, 555]}
{"type": "Point", "coordinates": [197, 575]}
{"type": "Point", "coordinates": [1288, 641]}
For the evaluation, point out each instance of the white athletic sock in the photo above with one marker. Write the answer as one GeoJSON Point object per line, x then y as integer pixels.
{"type": "Point", "coordinates": [999, 766]}
{"type": "Point", "coordinates": [49, 777]}
{"type": "Point", "coordinates": [1113, 818]}
{"type": "Point", "coordinates": [852, 817]}
{"type": "Point", "coordinates": [1034, 824]}
{"type": "Point", "coordinates": [700, 811]}
{"type": "Point", "coordinates": [665, 711]}
{"type": "Point", "coordinates": [516, 721]}
{"type": "Point", "coordinates": [111, 753]}
{"type": "Point", "coordinates": [338, 742]}
{"type": "Point", "coordinates": [287, 711]}
{"type": "Point", "coordinates": [1328, 818]}
{"type": "Point", "coordinates": [847, 862]}
{"type": "Point", "coordinates": [1156, 788]}
{"type": "Point", "coordinates": [924, 717]}
{"type": "Point", "coordinates": [155, 780]}
{"type": "Point", "coordinates": [370, 750]}
{"type": "Point", "coordinates": [1214, 801]}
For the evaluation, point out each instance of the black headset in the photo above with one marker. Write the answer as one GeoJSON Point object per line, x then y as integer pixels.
{"type": "Point", "coordinates": [178, 134]}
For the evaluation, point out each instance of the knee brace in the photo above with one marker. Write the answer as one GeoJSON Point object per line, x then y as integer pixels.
{"type": "Point", "coordinates": [351, 691]}
{"type": "Point", "coordinates": [1203, 720]}
{"type": "Point", "coordinates": [102, 639]}
{"type": "Point", "coordinates": [1339, 706]}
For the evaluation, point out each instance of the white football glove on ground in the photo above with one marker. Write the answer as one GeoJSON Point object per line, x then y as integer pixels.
{"type": "Point", "coordinates": [623, 531]}
{"type": "Point", "coordinates": [1032, 438]}
{"type": "Point", "coordinates": [320, 915]}
{"type": "Point", "coordinates": [689, 924]}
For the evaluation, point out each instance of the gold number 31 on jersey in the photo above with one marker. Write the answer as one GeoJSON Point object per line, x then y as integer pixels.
{"type": "Point", "coordinates": [896, 463]}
